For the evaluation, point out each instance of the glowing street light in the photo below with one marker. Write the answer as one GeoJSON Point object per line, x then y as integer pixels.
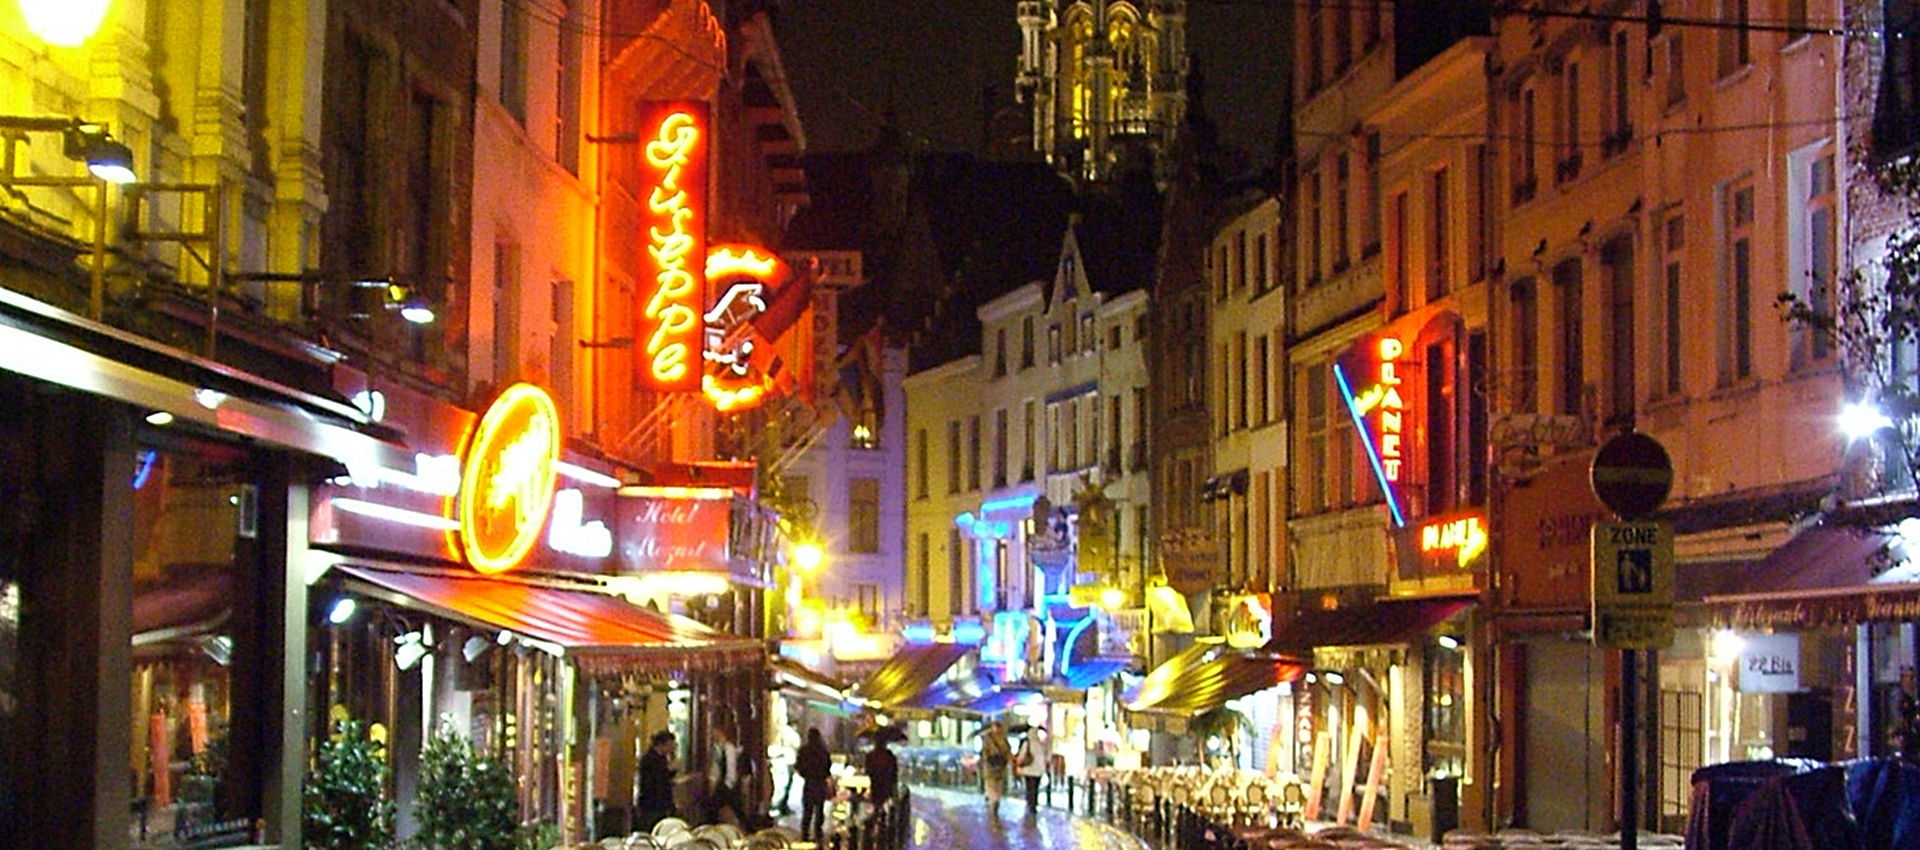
{"type": "Point", "coordinates": [807, 556]}
{"type": "Point", "coordinates": [1860, 419]}
{"type": "Point", "coordinates": [64, 23]}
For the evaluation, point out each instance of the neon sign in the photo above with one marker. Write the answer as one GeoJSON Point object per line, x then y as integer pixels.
{"type": "Point", "coordinates": [670, 323]}
{"type": "Point", "coordinates": [507, 485]}
{"type": "Point", "coordinates": [1466, 537]}
{"type": "Point", "coordinates": [1386, 444]}
{"type": "Point", "coordinates": [745, 276]}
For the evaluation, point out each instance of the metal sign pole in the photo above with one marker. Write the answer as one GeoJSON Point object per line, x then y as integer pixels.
{"type": "Point", "coordinates": [1629, 749]}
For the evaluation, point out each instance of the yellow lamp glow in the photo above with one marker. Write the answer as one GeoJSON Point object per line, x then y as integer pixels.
{"type": "Point", "coordinates": [64, 23]}
{"type": "Point", "coordinates": [807, 556]}
{"type": "Point", "coordinates": [1112, 598]}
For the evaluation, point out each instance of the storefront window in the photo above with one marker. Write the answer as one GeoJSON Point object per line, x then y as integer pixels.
{"type": "Point", "coordinates": [1446, 688]}
{"type": "Point", "coordinates": [198, 668]}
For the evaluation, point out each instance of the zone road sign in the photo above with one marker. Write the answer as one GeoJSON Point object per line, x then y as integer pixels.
{"type": "Point", "coordinates": [1633, 584]}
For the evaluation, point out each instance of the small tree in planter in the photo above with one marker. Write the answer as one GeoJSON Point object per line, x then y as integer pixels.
{"type": "Point", "coordinates": [466, 802]}
{"type": "Point", "coordinates": [344, 805]}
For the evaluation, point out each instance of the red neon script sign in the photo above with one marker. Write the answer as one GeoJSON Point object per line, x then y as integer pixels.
{"type": "Point", "coordinates": [670, 330]}
{"type": "Point", "coordinates": [506, 485]}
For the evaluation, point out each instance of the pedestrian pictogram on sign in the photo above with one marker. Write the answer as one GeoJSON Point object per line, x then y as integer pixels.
{"type": "Point", "coordinates": [1633, 585]}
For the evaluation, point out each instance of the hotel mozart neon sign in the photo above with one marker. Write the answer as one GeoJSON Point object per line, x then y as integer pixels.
{"type": "Point", "coordinates": [670, 331]}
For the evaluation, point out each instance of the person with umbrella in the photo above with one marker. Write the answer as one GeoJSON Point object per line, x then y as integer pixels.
{"type": "Point", "coordinates": [1032, 764]}
{"type": "Point", "coordinates": [995, 754]}
{"type": "Point", "coordinates": [883, 768]}
{"type": "Point", "coordinates": [814, 763]}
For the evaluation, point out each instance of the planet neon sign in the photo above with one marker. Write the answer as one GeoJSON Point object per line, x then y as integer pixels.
{"type": "Point", "coordinates": [1383, 402]}
{"type": "Point", "coordinates": [507, 480]}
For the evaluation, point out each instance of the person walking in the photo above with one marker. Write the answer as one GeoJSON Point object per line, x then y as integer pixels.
{"type": "Point", "coordinates": [723, 777]}
{"type": "Point", "coordinates": [656, 781]}
{"type": "Point", "coordinates": [814, 764]}
{"type": "Point", "coordinates": [883, 770]}
{"type": "Point", "coordinates": [1032, 764]}
{"type": "Point", "coordinates": [995, 754]}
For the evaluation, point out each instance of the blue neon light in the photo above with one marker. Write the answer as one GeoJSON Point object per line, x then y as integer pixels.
{"type": "Point", "coordinates": [969, 632]}
{"type": "Point", "coordinates": [1373, 455]}
{"type": "Point", "coordinates": [1073, 636]}
{"type": "Point", "coordinates": [917, 633]}
{"type": "Point", "coordinates": [1009, 503]}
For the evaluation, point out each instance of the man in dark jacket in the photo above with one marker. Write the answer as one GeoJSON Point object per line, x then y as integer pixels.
{"type": "Point", "coordinates": [884, 771]}
{"type": "Point", "coordinates": [814, 763]}
{"type": "Point", "coordinates": [656, 782]}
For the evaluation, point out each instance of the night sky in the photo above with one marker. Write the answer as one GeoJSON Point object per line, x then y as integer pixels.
{"type": "Point", "coordinates": [848, 60]}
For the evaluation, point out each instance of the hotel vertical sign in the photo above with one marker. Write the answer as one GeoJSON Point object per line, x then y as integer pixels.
{"type": "Point", "coordinates": [669, 337]}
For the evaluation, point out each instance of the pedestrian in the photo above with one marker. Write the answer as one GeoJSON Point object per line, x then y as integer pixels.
{"type": "Point", "coordinates": [883, 770]}
{"type": "Point", "coordinates": [723, 777]}
{"type": "Point", "coordinates": [815, 766]}
{"type": "Point", "coordinates": [1032, 764]}
{"type": "Point", "coordinates": [995, 755]}
{"type": "Point", "coordinates": [656, 782]}
{"type": "Point", "coordinates": [781, 753]}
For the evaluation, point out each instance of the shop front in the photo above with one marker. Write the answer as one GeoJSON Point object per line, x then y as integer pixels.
{"type": "Point", "coordinates": [473, 594]}
{"type": "Point", "coordinates": [151, 628]}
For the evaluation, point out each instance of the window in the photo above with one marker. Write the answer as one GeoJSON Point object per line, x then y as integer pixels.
{"type": "Point", "coordinates": [1221, 273]}
{"type": "Point", "coordinates": [1736, 342]}
{"type": "Point", "coordinates": [1397, 282]}
{"type": "Point", "coordinates": [1341, 196]}
{"type": "Point", "coordinates": [1071, 414]}
{"type": "Point", "coordinates": [1438, 214]}
{"type": "Point", "coordinates": [1568, 290]}
{"type": "Point", "coordinates": [1342, 35]}
{"type": "Point", "coordinates": [1734, 37]}
{"type": "Point", "coordinates": [973, 453]}
{"type": "Point", "coordinates": [1055, 427]}
{"type": "Point", "coordinates": [863, 515]}
{"type": "Point", "coordinates": [1620, 131]}
{"type": "Point", "coordinates": [1675, 239]}
{"type": "Point", "coordinates": [1262, 269]}
{"type": "Point", "coordinates": [1070, 339]}
{"type": "Point", "coordinates": [1310, 492]}
{"type": "Point", "coordinates": [1896, 120]}
{"type": "Point", "coordinates": [1369, 23]}
{"type": "Point", "coordinates": [1000, 448]}
{"type": "Point", "coordinates": [1442, 413]}
{"type": "Point", "coordinates": [1370, 195]}
{"type": "Point", "coordinates": [513, 60]}
{"type": "Point", "coordinates": [1479, 213]}
{"type": "Point", "coordinates": [1262, 380]}
{"type": "Point", "coordinates": [1478, 417]}
{"type": "Point", "coordinates": [1240, 375]}
{"type": "Point", "coordinates": [566, 125]}
{"type": "Point", "coordinates": [867, 599]}
{"type": "Point", "coordinates": [920, 472]}
{"type": "Point", "coordinates": [1053, 344]}
{"type": "Point", "coordinates": [1113, 336]}
{"type": "Point", "coordinates": [1223, 400]}
{"type": "Point", "coordinates": [1314, 254]}
{"type": "Point", "coordinates": [1810, 247]}
{"type": "Point", "coordinates": [956, 573]}
{"type": "Point", "coordinates": [506, 312]}
{"type": "Point", "coordinates": [1026, 342]}
{"type": "Point", "coordinates": [561, 337]}
{"type": "Point", "coordinates": [1676, 69]}
{"type": "Point", "coordinates": [1569, 166]}
{"type": "Point", "coordinates": [1313, 27]}
{"type": "Point", "coordinates": [953, 457]}
{"type": "Point", "coordinates": [1089, 341]}
{"type": "Point", "coordinates": [1796, 20]}
{"type": "Point", "coordinates": [1526, 134]}
{"type": "Point", "coordinates": [1616, 259]}
{"type": "Point", "coordinates": [1239, 259]}
{"type": "Point", "coordinates": [1525, 355]}
{"type": "Point", "coordinates": [999, 352]}
{"type": "Point", "coordinates": [923, 575]}
{"type": "Point", "coordinates": [1028, 452]}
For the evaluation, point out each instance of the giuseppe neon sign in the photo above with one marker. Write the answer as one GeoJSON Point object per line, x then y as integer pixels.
{"type": "Point", "coordinates": [1386, 441]}
{"type": "Point", "coordinates": [675, 157]}
{"type": "Point", "coordinates": [507, 484]}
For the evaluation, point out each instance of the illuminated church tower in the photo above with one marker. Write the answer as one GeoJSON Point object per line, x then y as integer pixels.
{"type": "Point", "coordinates": [1106, 81]}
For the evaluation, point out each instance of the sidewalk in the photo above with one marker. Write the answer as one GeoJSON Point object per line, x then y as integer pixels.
{"type": "Point", "coordinates": [951, 819]}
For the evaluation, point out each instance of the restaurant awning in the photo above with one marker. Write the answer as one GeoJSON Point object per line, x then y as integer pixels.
{"type": "Point", "coordinates": [1389, 620]}
{"type": "Point", "coordinates": [797, 678]}
{"type": "Point", "coordinates": [598, 631]}
{"type": "Point", "coordinates": [1823, 576]}
{"type": "Point", "coordinates": [909, 679]}
{"type": "Point", "coordinates": [1205, 676]}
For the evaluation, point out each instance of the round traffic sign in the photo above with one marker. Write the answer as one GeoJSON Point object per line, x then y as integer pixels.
{"type": "Point", "coordinates": [1632, 474]}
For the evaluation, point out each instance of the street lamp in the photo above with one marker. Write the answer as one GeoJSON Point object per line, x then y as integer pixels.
{"type": "Point", "coordinates": [1858, 420]}
{"type": "Point", "coordinates": [64, 23]}
{"type": "Point", "coordinates": [807, 556]}
{"type": "Point", "coordinates": [108, 161]}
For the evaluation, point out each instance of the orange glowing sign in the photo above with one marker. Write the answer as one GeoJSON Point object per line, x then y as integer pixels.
{"type": "Point", "coordinates": [507, 483]}
{"type": "Point", "coordinates": [674, 160]}
{"type": "Point", "coordinates": [1392, 409]}
{"type": "Point", "coordinates": [745, 278]}
{"type": "Point", "coordinates": [1466, 537]}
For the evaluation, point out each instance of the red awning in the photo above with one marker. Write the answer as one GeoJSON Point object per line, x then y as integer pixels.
{"type": "Point", "coordinates": [1824, 576]}
{"type": "Point", "coordinates": [193, 600]}
{"type": "Point", "coordinates": [1204, 676]}
{"type": "Point", "coordinates": [599, 631]}
{"type": "Point", "coordinates": [1383, 621]}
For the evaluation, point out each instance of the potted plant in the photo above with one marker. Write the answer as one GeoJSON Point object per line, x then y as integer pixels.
{"type": "Point", "coordinates": [466, 802]}
{"type": "Point", "coordinates": [344, 803]}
